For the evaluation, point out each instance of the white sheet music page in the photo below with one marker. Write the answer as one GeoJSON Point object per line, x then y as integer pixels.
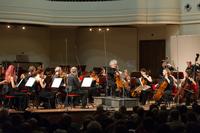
{"type": "Point", "coordinates": [87, 82]}
{"type": "Point", "coordinates": [30, 82]}
{"type": "Point", "coordinates": [56, 82]}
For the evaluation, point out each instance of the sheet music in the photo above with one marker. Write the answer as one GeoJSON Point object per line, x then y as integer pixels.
{"type": "Point", "coordinates": [56, 82]}
{"type": "Point", "coordinates": [87, 82]}
{"type": "Point", "coordinates": [30, 82]}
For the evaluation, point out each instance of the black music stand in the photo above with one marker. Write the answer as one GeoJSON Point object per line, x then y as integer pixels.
{"type": "Point", "coordinates": [86, 84]}
{"type": "Point", "coordinates": [30, 82]}
{"type": "Point", "coordinates": [56, 84]}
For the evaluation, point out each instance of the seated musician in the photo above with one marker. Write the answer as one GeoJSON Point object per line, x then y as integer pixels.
{"type": "Point", "coordinates": [60, 92]}
{"type": "Point", "coordinates": [145, 84]}
{"type": "Point", "coordinates": [125, 84]}
{"type": "Point", "coordinates": [74, 86]}
{"type": "Point", "coordinates": [164, 88]}
{"type": "Point", "coordinates": [9, 84]}
{"type": "Point", "coordinates": [41, 93]}
{"type": "Point", "coordinates": [189, 88]}
{"type": "Point", "coordinates": [25, 76]}
{"type": "Point", "coordinates": [111, 78]}
{"type": "Point", "coordinates": [10, 79]}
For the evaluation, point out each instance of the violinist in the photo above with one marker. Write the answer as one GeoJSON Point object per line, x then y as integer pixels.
{"type": "Point", "coordinates": [164, 88]}
{"type": "Point", "coordinates": [59, 92]}
{"type": "Point", "coordinates": [9, 83]}
{"type": "Point", "coordinates": [10, 79]}
{"type": "Point", "coordinates": [145, 84]}
{"type": "Point", "coordinates": [59, 73]}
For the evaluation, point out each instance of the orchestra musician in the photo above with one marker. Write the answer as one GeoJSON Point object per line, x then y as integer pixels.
{"type": "Point", "coordinates": [111, 78]}
{"type": "Point", "coordinates": [165, 64]}
{"type": "Point", "coordinates": [145, 84]}
{"type": "Point", "coordinates": [10, 83]}
{"type": "Point", "coordinates": [59, 92]}
{"type": "Point", "coordinates": [74, 86]}
{"type": "Point", "coordinates": [10, 79]}
{"type": "Point", "coordinates": [164, 88]}
{"type": "Point", "coordinates": [41, 94]}
{"type": "Point", "coordinates": [189, 88]}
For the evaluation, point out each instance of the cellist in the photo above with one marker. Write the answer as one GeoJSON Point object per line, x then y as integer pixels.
{"type": "Point", "coordinates": [164, 88]}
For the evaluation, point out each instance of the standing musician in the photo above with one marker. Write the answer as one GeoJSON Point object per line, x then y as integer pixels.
{"type": "Point", "coordinates": [164, 88]}
{"type": "Point", "coordinates": [112, 73]}
{"type": "Point", "coordinates": [145, 84]}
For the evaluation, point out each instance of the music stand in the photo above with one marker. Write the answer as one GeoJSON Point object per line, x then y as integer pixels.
{"type": "Point", "coordinates": [178, 75]}
{"type": "Point", "coordinates": [56, 83]}
{"type": "Point", "coordinates": [30, 82]}
{"type": "Point", "coordinates": [87, 82]}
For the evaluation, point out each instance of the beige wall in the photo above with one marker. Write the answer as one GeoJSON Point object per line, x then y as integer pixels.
{"type": "Point", "coordinates": [121, 44]}
{"type": "Point", "coordinates": [62, 46]}
{"type": "Point", "coordinates": [72, 45]}
{"type": "Point", "coordinates": [184, 48]}
{"type": "Point", "coordinates": [34, 42]}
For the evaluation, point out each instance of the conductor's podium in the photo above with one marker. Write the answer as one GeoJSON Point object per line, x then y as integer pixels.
{"type": "Point", "coordinates": [116, 102]}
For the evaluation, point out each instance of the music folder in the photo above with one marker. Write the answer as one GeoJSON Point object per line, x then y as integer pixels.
{"type": "Point", "coordinates": [30, 82]}
{"type": "Point", "coordinates": [56, 82]}
{"type": "Point", "coordinates": [87, 82]}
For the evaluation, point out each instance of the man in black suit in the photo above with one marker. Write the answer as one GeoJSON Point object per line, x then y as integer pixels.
{"type": "Point", "coordinates": [74, 86]}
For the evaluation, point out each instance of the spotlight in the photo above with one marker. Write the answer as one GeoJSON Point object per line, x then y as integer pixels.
{"type": "Point", "coordinates": [188, 7]}
{"type": "Point", "coordinates": [90, 29]}
{"type": "Point", "coordinates": [23, 27]}
{"type": "Point", "coordinates": [107, 29]}
{"type": "Point", "coordinates": [100, 29]}
{"type": "Point", "coordinates": [8, 26]}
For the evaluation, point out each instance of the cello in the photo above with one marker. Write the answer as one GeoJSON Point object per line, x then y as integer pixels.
{"type": "Point", "coordinates": [162, 85]}
{"type": "Point", "coordinates": [160, 90]}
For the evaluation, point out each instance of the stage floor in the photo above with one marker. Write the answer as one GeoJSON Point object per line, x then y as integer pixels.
{"type": "Point", "coordinates": [89, 108]}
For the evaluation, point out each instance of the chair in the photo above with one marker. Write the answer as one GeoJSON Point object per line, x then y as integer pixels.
{"type": "Point", "coordinates": [70, 95]}
{"type": "Point", "coordinates": [9, 98]}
